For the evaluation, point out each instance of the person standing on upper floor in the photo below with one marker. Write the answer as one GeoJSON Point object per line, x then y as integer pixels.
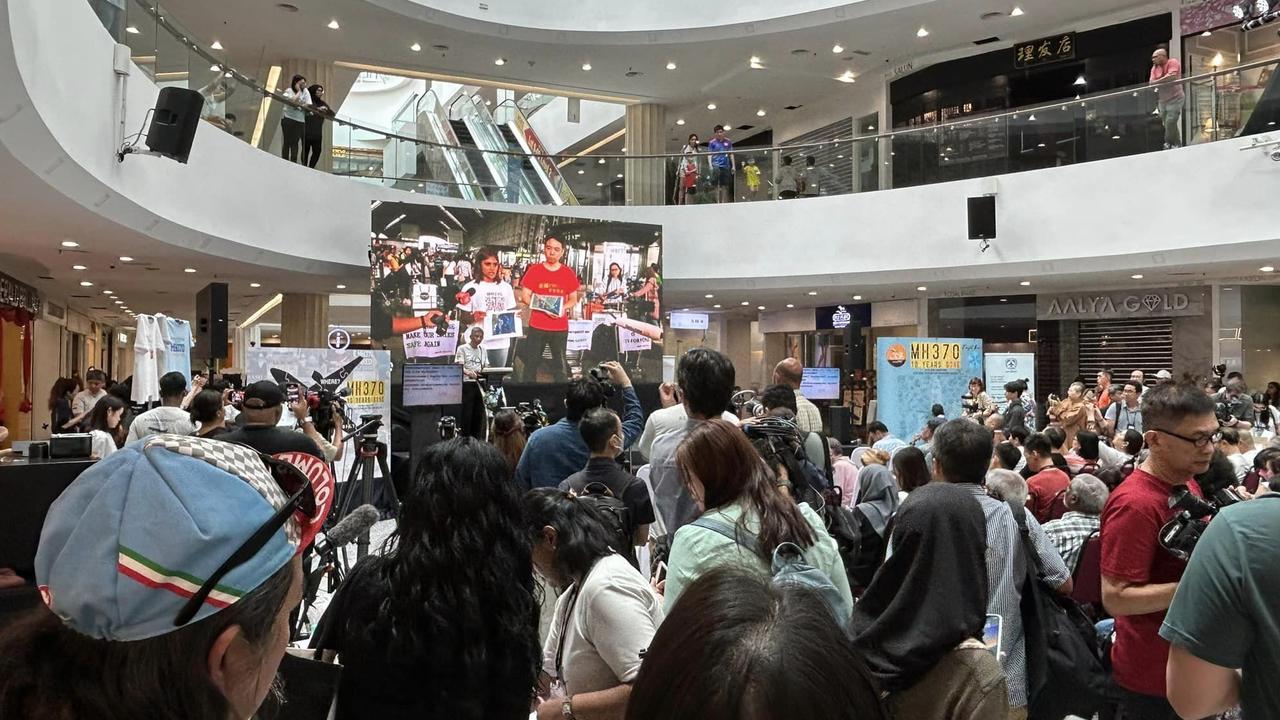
{"type": "Point", "coordinates": [313, 137]}
{"type": "Point", "coordinates": [1015, 413]}
{"type": "Point", "coordinates": [170, 417]}
{"type": "Point", "coordinates": [687, 171]}
{"type": "Point", "coordinates": [82, 404]}
{"type": "Point", "coordinates": [670, 417]}
{"type": "Point", "coordinates": [293, 119]}
{"type": "Point", "coordinates": [881, 439]}
{"type": "Point", "coordinates": [557, 451]}
{"type": "Point", "coordinates": [704, 378]}
{"type": "Point", "coordinates": [790, 372]}
{"type": "Point", "coordinates": [788, 181]}
{"type": "Point", "coordinates": [723, 164]}
{"type": "Point", "coordinates": [1139, 576]}
{"type": "Point", "coordinates": [844, 472]}
{"type": "Point", "coordinates": [1047, 482]}
{"type": "Point", "coordinates": [1085, 498]}
{"type": "Point", "coordinates": [1167, 72]}
{"type": "Point", "coordinates": [1125, 413]}
{"type": "Point", "coordinates": [961, 453]}
{"type": "Point", "coordinates": [920, 621]}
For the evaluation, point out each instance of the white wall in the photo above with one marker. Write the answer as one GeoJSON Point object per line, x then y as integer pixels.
{"type": "Point", "coordinates": [557, 133]}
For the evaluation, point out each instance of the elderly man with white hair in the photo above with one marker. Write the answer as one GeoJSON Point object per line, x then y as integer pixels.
{"type": "Point", "coordinates": [1007, 485]}
{"type": "Point", "coordinates": [1085, 498]}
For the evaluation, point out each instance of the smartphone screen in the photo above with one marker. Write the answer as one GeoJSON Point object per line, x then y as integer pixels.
{"type": "Point", "coordinates": [992, 635]}
{"type": "Point", "coordinates": [292, 391]}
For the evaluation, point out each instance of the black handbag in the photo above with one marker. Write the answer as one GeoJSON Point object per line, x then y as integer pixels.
{"type": "Point", "coordinates": [1065, 674]}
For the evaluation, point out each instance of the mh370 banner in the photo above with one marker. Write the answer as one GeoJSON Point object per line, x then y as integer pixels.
{"type": "Point", "coordinates": [914, 373]}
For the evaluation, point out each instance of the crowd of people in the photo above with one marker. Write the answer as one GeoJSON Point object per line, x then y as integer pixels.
{"type": "Point", "coordinates": [713, 169]}
{"type": "Point", "coordinates": [744, 565]}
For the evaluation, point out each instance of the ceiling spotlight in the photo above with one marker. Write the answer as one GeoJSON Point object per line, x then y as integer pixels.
{"type": "Point", "coordinates": [118, 302]}
{"type": "Point", "coordinates": [108, 292]}
{"type": "Point", "coordinates": [599, 184]}
{"type": "Point", "coordinates": [716, 306]}
{"type": "Point", "coordinates": [619, 175]}
{"type": "Point", "coordinates": [759, 307]}
{"type": "Point", "coordinates": [1016, 12]}
{"type": "Point", "coordinates": [1025, 283]}
{"type": "Point", "coordinates": [708, 296]}
{"type": "Point", "coordinates": [760, 112]}
{"type": "Point", "coordinates": [215, 68]}
{"type": "Point", "coordinates": [847, 77]}
{"type": "Point", "coordinates": [415, 47]}
{"type": "Point", "coordinates": [216, 45]}
{"type": "Point", "coordinates": [671, 66]}
{"type": "Point", "coordinates": [582, 172]}
{"type": "Point", "coordinates": [586, 67]}
{"type": "Point", "coordinates": [131, 30]}
{"type": "Point", "coordinates": [1032, 118]}
{"type": "Point", "coordinates": [125, 258]}
{"type": "Point", "coordinates": [1266, 268]}
{"type": "Point", "coordinates": [188, 270]}
{"type": "Point", "coordinates": [680, 121]}
{"type": "Point", "coordinates": [1207, 33]}
{"type": "Point", "coordinates": [745, 303]}
{"type": "Point", "coordinates": [341, 287]}
{"type": "Point", "coordinates": [837, 48]}
{"type": "Point", "coordinates": [79, 267]}
{"type": "Point", "coordinates": [1136, 277]}
{"type": "Point", "coordinates": [857, 297]}
{"type": "Point", "coordinates": [711, 106]}
{"type": "Point", "coordinates": [500, 61]}
{"type": "Point", "coordinates": [85, 283]}
{"type": "Point", "coordinates": [70, 243]}
{"type": "Point", "coordinates": [789, 306]}
{"type": "Point", "coordinates": [333, 25]}
{"type": "Point", "coordinates": [255, 285]}
{"type": "Point", "coordinates": [600, 161]}
{"type": "Point", "coordinates": [1080, 81]}
{"type": "Point", "coordinates": [921, 288]}
{"type": "Point", "coordinates": [812, 293]}
{"type": "Point", "coordinates": [922, 33]}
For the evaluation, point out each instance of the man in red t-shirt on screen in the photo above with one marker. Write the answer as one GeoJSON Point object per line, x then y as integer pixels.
{"type": "Point", "coordinates": [1139, 576]}
{"type": "Point", "coordinates": [549, 289]}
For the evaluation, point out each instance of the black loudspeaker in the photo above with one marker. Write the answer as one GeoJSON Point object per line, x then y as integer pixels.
{"type": "Point", "coordinates": [855, 349]}
{"type": "Point", "coordinates": [982, 217]}
{"type": "Point", "coordinates": [174, 122]}
{"type": "Point", "coordinates": [840, 422]}
{"type": "Point", "coordinates": [211, 322]}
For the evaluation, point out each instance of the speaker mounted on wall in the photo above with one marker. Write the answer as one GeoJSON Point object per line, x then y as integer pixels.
{"type": "Point", "coordinates": [172, 128]}
{"type": "Point", "coordinates": [982, 220]}
{"type": "Point", "coordinates": [211, 322]}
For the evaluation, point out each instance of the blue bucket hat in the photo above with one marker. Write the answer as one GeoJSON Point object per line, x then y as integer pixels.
{"type": "Point", "coordinates": [136, 535]}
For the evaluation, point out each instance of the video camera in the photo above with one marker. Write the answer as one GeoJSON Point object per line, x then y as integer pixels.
{"type": "Point", "coordinates": [448, 427]}
{"type": "Point", "coordinates": [1180, 535]}
{"type": "Point", "coordinates": [600, 374]}
{"type": "Point", "coordinates": [969, 404]}
{"type": "Point", "coordinates": [532, 415]}
{"type": "Point", "coordinates": [321, 404]}
{"type": "Point", "coordinates": [746, 400]}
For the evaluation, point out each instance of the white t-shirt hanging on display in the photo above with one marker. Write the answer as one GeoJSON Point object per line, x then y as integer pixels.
{"type": "Point", "coordinates": [146, 376]}
{"type": "Point", "coordinates": [177, 338]}
{"type": "Point", "coordinates": [162, 351]}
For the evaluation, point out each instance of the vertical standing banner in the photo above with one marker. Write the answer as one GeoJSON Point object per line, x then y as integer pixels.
{"type": "Point", "coordinates": [1001, 368]}
{"type": "Point", "coordinates": [914, 373]}
{"type": "Point", "coordinates": [365, 374]}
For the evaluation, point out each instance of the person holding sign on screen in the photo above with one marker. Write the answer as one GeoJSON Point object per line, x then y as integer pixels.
{"type": "Point", "coordinates": [549, 289]}
{"type": "Point", "coordinates": [492, 304]}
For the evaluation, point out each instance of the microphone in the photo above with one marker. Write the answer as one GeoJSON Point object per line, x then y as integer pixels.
{"type": "Point", "coordinates": [356, 523]}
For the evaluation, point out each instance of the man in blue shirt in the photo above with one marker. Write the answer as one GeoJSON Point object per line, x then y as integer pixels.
{"type": "Point", "coordinates": [722, 164]}
{"type": "Point", "coordinates": [557, 451]}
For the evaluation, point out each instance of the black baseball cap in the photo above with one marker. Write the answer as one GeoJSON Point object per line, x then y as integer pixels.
{"type": "Point", "coordinates": [262, 395]}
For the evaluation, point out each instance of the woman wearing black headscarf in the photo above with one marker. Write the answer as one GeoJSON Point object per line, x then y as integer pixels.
{"type": "Point", "coordinates": [920, 621]}
{"type": "Point", "coordinates": [876, 502]}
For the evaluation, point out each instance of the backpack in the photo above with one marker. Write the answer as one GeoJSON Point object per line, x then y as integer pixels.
{"type": "Point", "coordinates": [1065, 673]}
{"type": "Point", "coordinates": [615, 516]}
{"type": "Point", "coordinates": [788, 569]}
{"type": "Point", "coordinates": [844, 526]}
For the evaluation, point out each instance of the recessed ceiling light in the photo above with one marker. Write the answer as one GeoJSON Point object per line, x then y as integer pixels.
{"type": "Point", "coordinates": [716, 306]}
{"type": "Point", "coordinates": [85, 283]}
{"type": "Point", "coordinates": [108, 292]}
{"type": "Point", "coordinates": [745, 303]}
{"type": "Point", "coordinates": [1016, 12]}
{"type": "Point", "coordinates": [599, 184]}
{"type": "Point", "coordinates": [119, 302]}
{"type": "Point", "coordinates": [131, 30]}
{"type": "Point", "coordinates": [1136, 277]}
{"type": "Point", "coordinates": [500, 61]}
{"type": "Point", "coordinates": [812, 293]}
{"type": "Point", "coordinates": [857, 297]}
{"type": "Point", "coordinates": [680, 121]}
{"type": "Point", "coordinates": [711, 106]}
{"type": "Point", "coordinates": [1115, 137]}
{"type": "Point", "coordinates": [341, 287]}
{"type": "Point", "coordinates": [671, 66]}
{"type": "Point", "coordinates": [708, 296]}
{"type": "Point", "coordinates": [847, 77]}
{"type": "Point", "coordinates": [619, 174]}
{"type": "Point", "coordinates": [922, 33]}
{"type": "Point", "coordinates": [333, 25]}
{"type": "Point", "coordinates": [600, 161]}
{"type": "Point", "coordinates": [837, 48]}
{"type": "Point", "coordinates": [215, 68]}
{"type": "Point", "coordinates": [415, 47]}
{"type": "Point", "coordinates": [79, 267]}
{"type": "Point", "coordinates": [216, 45]}
{"type": "Point", "coordinates": [586, 67]}
{"type": "Point", "coordinates": [759, 307]}
{"type": "Point", "coordinates": [255, 285]}
{"type": "Point", "coordinates": [1025, 283]}
{"type": "Point", "coordinates": [921, 288]}
{"type": "Point", "coordinates": [582, 172]}
{"type": "Point", "coordinates": [70, 243]}
{"type": "Point", "coordinates": [125, 258]}
{"type": "Point", "coordinates": [789, 305]}
{"type": "Point", "coordinates": [188, 270]}
{"type": "Point", "coordinates": [760, 112]}
{"type": "Point", "coordinates": [1266, 268]}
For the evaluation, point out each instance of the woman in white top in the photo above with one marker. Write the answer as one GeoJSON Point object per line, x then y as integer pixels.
{"type": "Point", "coordinates": [605, 618]}
{"type": "Point", "coordinates": [687, 172]}
{"type": "Point", "coordinates": [293, 119]}
{"type": "Point", "coordinates": [489, 294]}
{"type": "Point", "coordinates": [730, 483]}
{"type": "Point", "coordinates": [614, 288]}
{"type": "Point", "coordinates": [104, 426]}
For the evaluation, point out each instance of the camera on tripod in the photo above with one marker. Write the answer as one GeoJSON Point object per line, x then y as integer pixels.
{"type": "Point", "coordinates": [969, 404]}
{"type": "Point", "coordinates": [1180, 535]}
{"type": "Point", "coordinates": [447, 427]}
{"type": "Point", "coordinates": [600, 374]}
{"type": "Point", "coordinates": [369, 427]}
{"type": "Point", "coordinates": [532, 415]}
{"type": "Point", "coordinates": [321, 404]}
{"type": "Point", "coordinates": [746, 400]}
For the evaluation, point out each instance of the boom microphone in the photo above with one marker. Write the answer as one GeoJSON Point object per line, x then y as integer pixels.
{"type": "Point", "coordinates": [356, 523]}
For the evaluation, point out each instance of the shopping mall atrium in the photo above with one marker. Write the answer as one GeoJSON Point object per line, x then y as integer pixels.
{"type": "Point", "coordinates": [425, 214]}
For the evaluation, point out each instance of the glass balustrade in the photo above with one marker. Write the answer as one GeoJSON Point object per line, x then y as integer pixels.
{"type": "Point", "coordinates": [468, 152]}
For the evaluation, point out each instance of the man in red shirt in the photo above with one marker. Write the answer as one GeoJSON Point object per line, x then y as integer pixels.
{"type": "Point", "coordinates": [1167, 71]}
{"type": "Point", "coordinates": [1139, 576]}
{"type": "Point", "coordinates": [549, 290]}
{"type": "Point", "coordinates": [1047, 481]}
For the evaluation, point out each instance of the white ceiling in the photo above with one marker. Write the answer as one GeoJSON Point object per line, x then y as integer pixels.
{"type": "Point", "coordinates": [799, 66]}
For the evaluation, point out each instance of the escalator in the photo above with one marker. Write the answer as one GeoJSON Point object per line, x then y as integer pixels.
{"type": "Point", "coordinates": [496, 155]}
{"type": "Point", "coordinates": [475, 158]}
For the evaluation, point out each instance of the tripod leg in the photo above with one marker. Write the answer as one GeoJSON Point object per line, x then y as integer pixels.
{"type": "Point", "coordinates": [386, 475]}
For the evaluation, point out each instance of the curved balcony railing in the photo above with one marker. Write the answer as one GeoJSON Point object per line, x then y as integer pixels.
{"type": "Point", "coordinates": [499, 158]}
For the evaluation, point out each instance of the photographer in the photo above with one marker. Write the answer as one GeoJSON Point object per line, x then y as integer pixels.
{"type": "Point", "coordinates": [1139, 576]}
{"type": "Point", "coordinates": [1235, 407]}
{"type": "Point", "coordinates": [307, 425]}
{"type": "Point", "coordinates": [557, 451]}
{"type": "Point", "coordinates": [263, 408]}
{"type": "Point", "coordinates": [1125, 413]}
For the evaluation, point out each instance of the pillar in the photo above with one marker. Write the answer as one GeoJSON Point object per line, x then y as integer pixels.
{"type": "Point", "coordinates": [646, 179]}
{"type": "Point", "coordinates": [304, 320]}
{"type": "Point", "coordinates": [315, 72]}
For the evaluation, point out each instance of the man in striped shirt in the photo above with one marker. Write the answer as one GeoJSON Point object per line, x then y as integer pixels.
{"type": "Point", "coordinates": [1085, 498]}
{"type": "Point", "coordinates": [961, 455]}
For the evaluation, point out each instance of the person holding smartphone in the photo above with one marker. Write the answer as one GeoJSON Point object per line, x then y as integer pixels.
{"type": "Point", "coordinates": [293, 120]}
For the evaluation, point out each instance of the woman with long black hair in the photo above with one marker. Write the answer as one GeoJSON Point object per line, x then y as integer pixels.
{"type": "Point", "coordinates": [444, 623]}
{"type": "Point", "coordinates": [605, 618]}
{"type": "Point", "coordinates": [60, 404]}
{"type": "Point", "coordinates": [105, 428]}
{"type": "Point", "coordinates": [293, 118]}
{"type": "Point", "coordinates": [313, 134]}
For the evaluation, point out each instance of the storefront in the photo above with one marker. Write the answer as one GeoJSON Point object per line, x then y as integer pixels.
{"type": "Point", "coordinates": [19, 304]}
{"type": "Point", "coordinates": [1151, 329]}
{"type": "Point", "coordinates": [1213, 40]}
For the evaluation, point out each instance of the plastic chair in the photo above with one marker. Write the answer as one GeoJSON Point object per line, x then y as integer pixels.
{"type": "Point", "coordinates": [1057, 507]}
{"type": "Point", "coordinates": [1087, 578]}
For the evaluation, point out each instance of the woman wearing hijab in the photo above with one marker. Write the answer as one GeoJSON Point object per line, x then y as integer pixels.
{"type": "Point", "coordinates": [875, 505]}
{"type": "Point", "coordinates": [920, 622]}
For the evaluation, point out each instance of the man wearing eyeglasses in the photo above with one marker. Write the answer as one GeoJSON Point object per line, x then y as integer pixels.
{"type": "Point", "coordinates": [1139, 576]}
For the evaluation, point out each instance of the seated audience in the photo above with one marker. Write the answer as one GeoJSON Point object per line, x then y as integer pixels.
{"type": "Point", "coordinates": [1057, 441]}
{"type": "Point", "coordinates": [881, 439]}
{"type": "Point", "coordinates": [1006, 456]}
{"type": "Point", "coordinates": [874, 507]}
{"type": "Point", "coordinates": [105, 431]}
{"type": "Point", "coordinates": [555, 452]}
{"type": "Point", "coordinates": [844, 472]}
{"type": "Point", "coordinates": [605, 618]}
{"type": "Point", "coordinates": [1046, 482]}
{"type": "Point", "coordinates": [1230, 447]}
{"type": "Point", "coordinates": [1007, 486]}
{"type": "Point", "coordinates": [1086, 453]}
{"type": "Point", "coordinates": [119, 639]}
{"type": "Point", "coordinates": [170, 417]}
{"type": "Point", "coordinates": [919, 624]}
{"type": "Point", "coordinates": [508, 436]}
{"type": "Point", "coordinates": [910, 470]}
{"type": "Point", "coordinates": [731, 484]}
{"type": "Point", "coordinates": [737, 647]}
{"type": "Point", "coordinates": [1085, 498]}
{"type": "Point", "coordinates": [444, 622]}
